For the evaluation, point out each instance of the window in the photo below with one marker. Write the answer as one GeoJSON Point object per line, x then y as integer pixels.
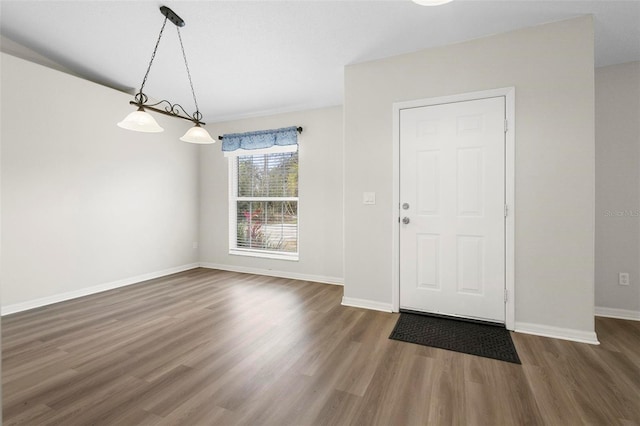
{"type": "Point", "coordinates": [263, 204]}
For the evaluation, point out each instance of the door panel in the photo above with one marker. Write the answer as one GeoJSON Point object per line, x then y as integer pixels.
{"type": "Point", "coordinates": [452, 177]}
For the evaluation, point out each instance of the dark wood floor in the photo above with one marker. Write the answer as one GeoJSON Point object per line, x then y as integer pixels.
{"type": "Point", "coordinates": [208, 347]}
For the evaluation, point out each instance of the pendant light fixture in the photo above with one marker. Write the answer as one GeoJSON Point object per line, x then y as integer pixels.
{"type": "Point", "coordinates": [142, 121]}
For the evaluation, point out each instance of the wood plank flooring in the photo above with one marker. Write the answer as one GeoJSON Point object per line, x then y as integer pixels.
{"type": "Point", "coordinates": [208, 347]}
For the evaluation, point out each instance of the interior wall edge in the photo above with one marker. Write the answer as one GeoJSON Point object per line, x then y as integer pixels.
{"type": "Point", "coordinates": [367, 304]}
{"type": "Point", "coordinates": [624, 314]}
{"type": "Point", "coordinates": [87, 291]}
{"type": "Point", "coordinates": [571, 334]}
{"type": "Point", "coordinates": [274, 273]}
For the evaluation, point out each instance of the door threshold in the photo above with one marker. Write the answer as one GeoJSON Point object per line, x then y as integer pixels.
{"type": "Point", "coordinates": [453, 317]}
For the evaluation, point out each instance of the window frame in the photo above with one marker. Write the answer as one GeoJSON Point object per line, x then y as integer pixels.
{"type": "Point", "coordinates": [232, 157]}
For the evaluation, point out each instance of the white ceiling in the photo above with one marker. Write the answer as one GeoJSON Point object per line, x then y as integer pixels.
{"type": "Point", "coordinates": [260, 57]}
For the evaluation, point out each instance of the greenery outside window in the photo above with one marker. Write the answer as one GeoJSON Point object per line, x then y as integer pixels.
{"type": "Point", "coordinates": [263, 204]}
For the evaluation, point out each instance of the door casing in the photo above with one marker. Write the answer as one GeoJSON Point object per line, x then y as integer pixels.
{"type": "Point", "coordinates": [509, 94]}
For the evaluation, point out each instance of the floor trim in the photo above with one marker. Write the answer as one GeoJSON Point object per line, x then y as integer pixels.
{"type": "Point", "coordinates": [366, 304]}
{"type": "Point", "coordinates": [557, 332]}
{"type": "Point", "coordinates": [625, 314]}
{"type": "Point", "coordinates": [49, 300]}
{"type": "Point", "coordinates": [271, 273]}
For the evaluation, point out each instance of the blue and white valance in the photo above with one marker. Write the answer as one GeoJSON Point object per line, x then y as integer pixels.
{"type": "Point", "coordinates": [260, 140]}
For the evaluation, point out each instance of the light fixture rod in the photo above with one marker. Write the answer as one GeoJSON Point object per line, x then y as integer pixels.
{"type": "Point", "coordinates": [186, 64]}
{"type": "Point", "coordinates": [153, 55]}
{"type": "Point", "coordinates": [172, 110]}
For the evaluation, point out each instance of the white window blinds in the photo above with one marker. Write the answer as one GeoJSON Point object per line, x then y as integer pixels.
{"type": "Point", "coordinates": [263, 204]}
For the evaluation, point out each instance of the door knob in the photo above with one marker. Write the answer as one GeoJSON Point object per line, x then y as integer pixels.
{"type": "Point", "coordinates": [406, 220]}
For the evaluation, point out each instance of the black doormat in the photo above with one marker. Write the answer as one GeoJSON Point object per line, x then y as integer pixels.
{"type": "Point", "coordinates": [489, 341]}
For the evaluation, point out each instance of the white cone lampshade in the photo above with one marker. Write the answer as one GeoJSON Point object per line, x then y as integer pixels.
{"type": "Point", "coordinates": [140, 121]}
{"type": "Point", "coordinates": [197, 134]}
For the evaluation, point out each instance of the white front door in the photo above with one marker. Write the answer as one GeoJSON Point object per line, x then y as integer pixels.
{"type": "Point", "coordinates": [452, 201]}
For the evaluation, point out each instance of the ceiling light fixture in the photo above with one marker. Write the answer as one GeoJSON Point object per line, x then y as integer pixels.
{"type": "Point", "coordinates": [431, 2]}
{"type": "Point", "coordinates": [142, 121]}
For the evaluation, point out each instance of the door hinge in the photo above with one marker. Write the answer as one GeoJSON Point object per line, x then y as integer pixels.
{"type": "Point", "coordinates": [506, 210]}
{"type": "Point", "coordinates": [506, 295]}
{"type": "Point", "coordinates": [506, 125]}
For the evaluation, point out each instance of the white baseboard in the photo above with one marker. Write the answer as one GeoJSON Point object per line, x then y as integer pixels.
{"type": "Point", "coordinates": [43, 301]}
{"type": "Point", "coordinates": [625, 314]}
{"type": "Point", "coordinates": [557, 332]}
{"type": "Point", "coordinates": [272, 273]}
{"type": "Point", "coordinates": [367, 304]}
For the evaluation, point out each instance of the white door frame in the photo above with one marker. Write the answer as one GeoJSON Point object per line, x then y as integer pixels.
{"type": "Point", "coordinates": [510, 161]}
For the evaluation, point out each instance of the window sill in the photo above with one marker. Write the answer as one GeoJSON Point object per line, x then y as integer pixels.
{"type": "Point", "coordinates": [264, 254]}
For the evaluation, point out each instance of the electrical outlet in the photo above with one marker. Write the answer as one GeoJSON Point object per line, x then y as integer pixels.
{"type": "Point", "coordinates": [623, 278]}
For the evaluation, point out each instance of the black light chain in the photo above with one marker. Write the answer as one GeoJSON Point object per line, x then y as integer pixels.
{"type": "Point", "coordinates": [144, 80]}
{"type": "Point", "coordinates": [197, 114]}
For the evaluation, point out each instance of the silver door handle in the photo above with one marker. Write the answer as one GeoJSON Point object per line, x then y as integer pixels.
{"type": "Point", "coordinates": [406, 220]}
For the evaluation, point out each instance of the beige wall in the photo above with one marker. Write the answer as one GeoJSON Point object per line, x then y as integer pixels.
{"type": "Point", "coordinates": [618, 188]}
{"type": "Point", "coordinates": [551, 67]}
{"type": "Point", "coordinates": [1, 58]}
{"type": "Point", "coordinates": [320, 198]}
{"type": "Point", "coordinates": [84, 202]}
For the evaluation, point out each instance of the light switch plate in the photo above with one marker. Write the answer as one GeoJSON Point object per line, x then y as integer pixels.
{"type": "Point", "coordinates": [623, 278]}
{"type": "Point", "coordinates": [368, 197]}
